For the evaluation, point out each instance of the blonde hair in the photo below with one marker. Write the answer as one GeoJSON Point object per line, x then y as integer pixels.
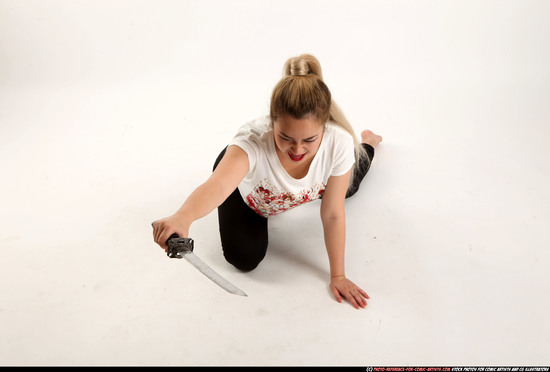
{"type": "Point", "coordinates": [302, 92]}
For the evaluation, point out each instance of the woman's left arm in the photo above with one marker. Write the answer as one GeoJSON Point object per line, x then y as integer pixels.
{"type": "Point", "coordinates": [333, 216]}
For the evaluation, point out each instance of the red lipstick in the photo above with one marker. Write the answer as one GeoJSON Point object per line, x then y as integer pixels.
{"type": "Point", "coordinates": [296, 157]}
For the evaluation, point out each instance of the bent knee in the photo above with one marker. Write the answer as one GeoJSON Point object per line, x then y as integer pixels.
{"type": "Point", "coordinates": [243, 265]}
{"type": "Point", "coordinates": [244, 259]}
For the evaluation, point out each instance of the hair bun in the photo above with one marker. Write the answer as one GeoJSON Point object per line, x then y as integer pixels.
{"type": "Point", "coordinates": [303, 65]}
{"type": "Point", "coordinates": [298, 67]}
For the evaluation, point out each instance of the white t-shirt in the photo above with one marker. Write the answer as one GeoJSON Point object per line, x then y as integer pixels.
{"type": "Point", "coordinates": [267, 188]}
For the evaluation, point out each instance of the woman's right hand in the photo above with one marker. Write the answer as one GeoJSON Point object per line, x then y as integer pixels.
{"type": "Point", "coordinates": [164, 228]}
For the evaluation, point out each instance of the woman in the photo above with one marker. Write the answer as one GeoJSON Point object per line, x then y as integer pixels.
{"type": "Point", "coordinates": [304, 150]}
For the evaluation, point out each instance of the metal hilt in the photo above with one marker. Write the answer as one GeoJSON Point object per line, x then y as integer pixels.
{"type": "Point", "coordinates": [178, 247]}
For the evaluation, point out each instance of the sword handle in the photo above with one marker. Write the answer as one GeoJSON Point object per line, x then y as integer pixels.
{"type": "Point", "coordinates": [177, 246]}
{"type": "Point", "coordinates": [173, 236]}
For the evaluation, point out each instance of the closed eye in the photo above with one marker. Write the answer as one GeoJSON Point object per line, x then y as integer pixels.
{"type": "Point", "coordinates": [308, 140]}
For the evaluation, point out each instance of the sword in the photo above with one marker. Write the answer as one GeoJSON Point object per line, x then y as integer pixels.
{"type": "Point", "coordinates": [183, 248]}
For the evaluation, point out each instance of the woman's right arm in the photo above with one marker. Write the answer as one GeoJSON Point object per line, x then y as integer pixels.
{"type": "Point", "coordinates": [224, 180]}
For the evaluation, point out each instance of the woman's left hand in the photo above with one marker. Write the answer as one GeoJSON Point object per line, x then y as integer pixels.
{"type": "Point", "coordinates": [341, 286]}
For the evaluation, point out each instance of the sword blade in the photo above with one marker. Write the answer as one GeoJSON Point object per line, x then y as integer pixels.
{"type": "Point", "coordinates": [212, 275]}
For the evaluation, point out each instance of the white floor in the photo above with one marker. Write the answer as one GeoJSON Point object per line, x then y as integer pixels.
{"type": "Point", "coordinates": [111, 112]}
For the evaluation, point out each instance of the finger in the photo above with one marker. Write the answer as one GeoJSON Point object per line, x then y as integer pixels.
{"type": "Point", "coordinates": [360, 300]}
{"type": "Point", "coordinates": [363, 293]}
{"type": "Point", "coordinates": [351, 298]}
{"type": "Point", "coordinates": [155, 231]}
{"type": "Point", "coordinates": [357, 294]}
{"type": "Point", "coordinates": [336, 294]}
{"type": "Point", "coordinates": [158, 232]}
{"type": "Point", "coordinates": [164, 236]}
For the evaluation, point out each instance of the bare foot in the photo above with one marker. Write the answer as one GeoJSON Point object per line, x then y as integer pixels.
{"type": "Point", "coordinates": [370, 138]}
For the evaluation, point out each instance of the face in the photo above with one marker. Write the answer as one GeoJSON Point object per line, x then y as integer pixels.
{"type": "Point", "coordinates": [297, 140]}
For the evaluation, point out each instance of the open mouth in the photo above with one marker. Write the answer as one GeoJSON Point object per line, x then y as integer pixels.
{"type": "Point", "coordinates": [296, 157]}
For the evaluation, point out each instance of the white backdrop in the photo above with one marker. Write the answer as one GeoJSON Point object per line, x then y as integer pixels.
{"type": "Point", "coordinates": [112, 112]}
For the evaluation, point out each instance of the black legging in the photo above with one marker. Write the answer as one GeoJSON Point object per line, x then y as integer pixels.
{"type": "Point", "coordinates": [244, 232]}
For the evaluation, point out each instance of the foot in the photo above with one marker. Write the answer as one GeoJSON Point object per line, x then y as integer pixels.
{"type": "Point", "coordinates": [370, 138]}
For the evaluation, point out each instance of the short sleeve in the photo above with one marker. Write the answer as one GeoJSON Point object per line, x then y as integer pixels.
{"type": "Point", "coordinates": [249, 138]}
{"type": "Point", "coordinates": [344, 153]}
